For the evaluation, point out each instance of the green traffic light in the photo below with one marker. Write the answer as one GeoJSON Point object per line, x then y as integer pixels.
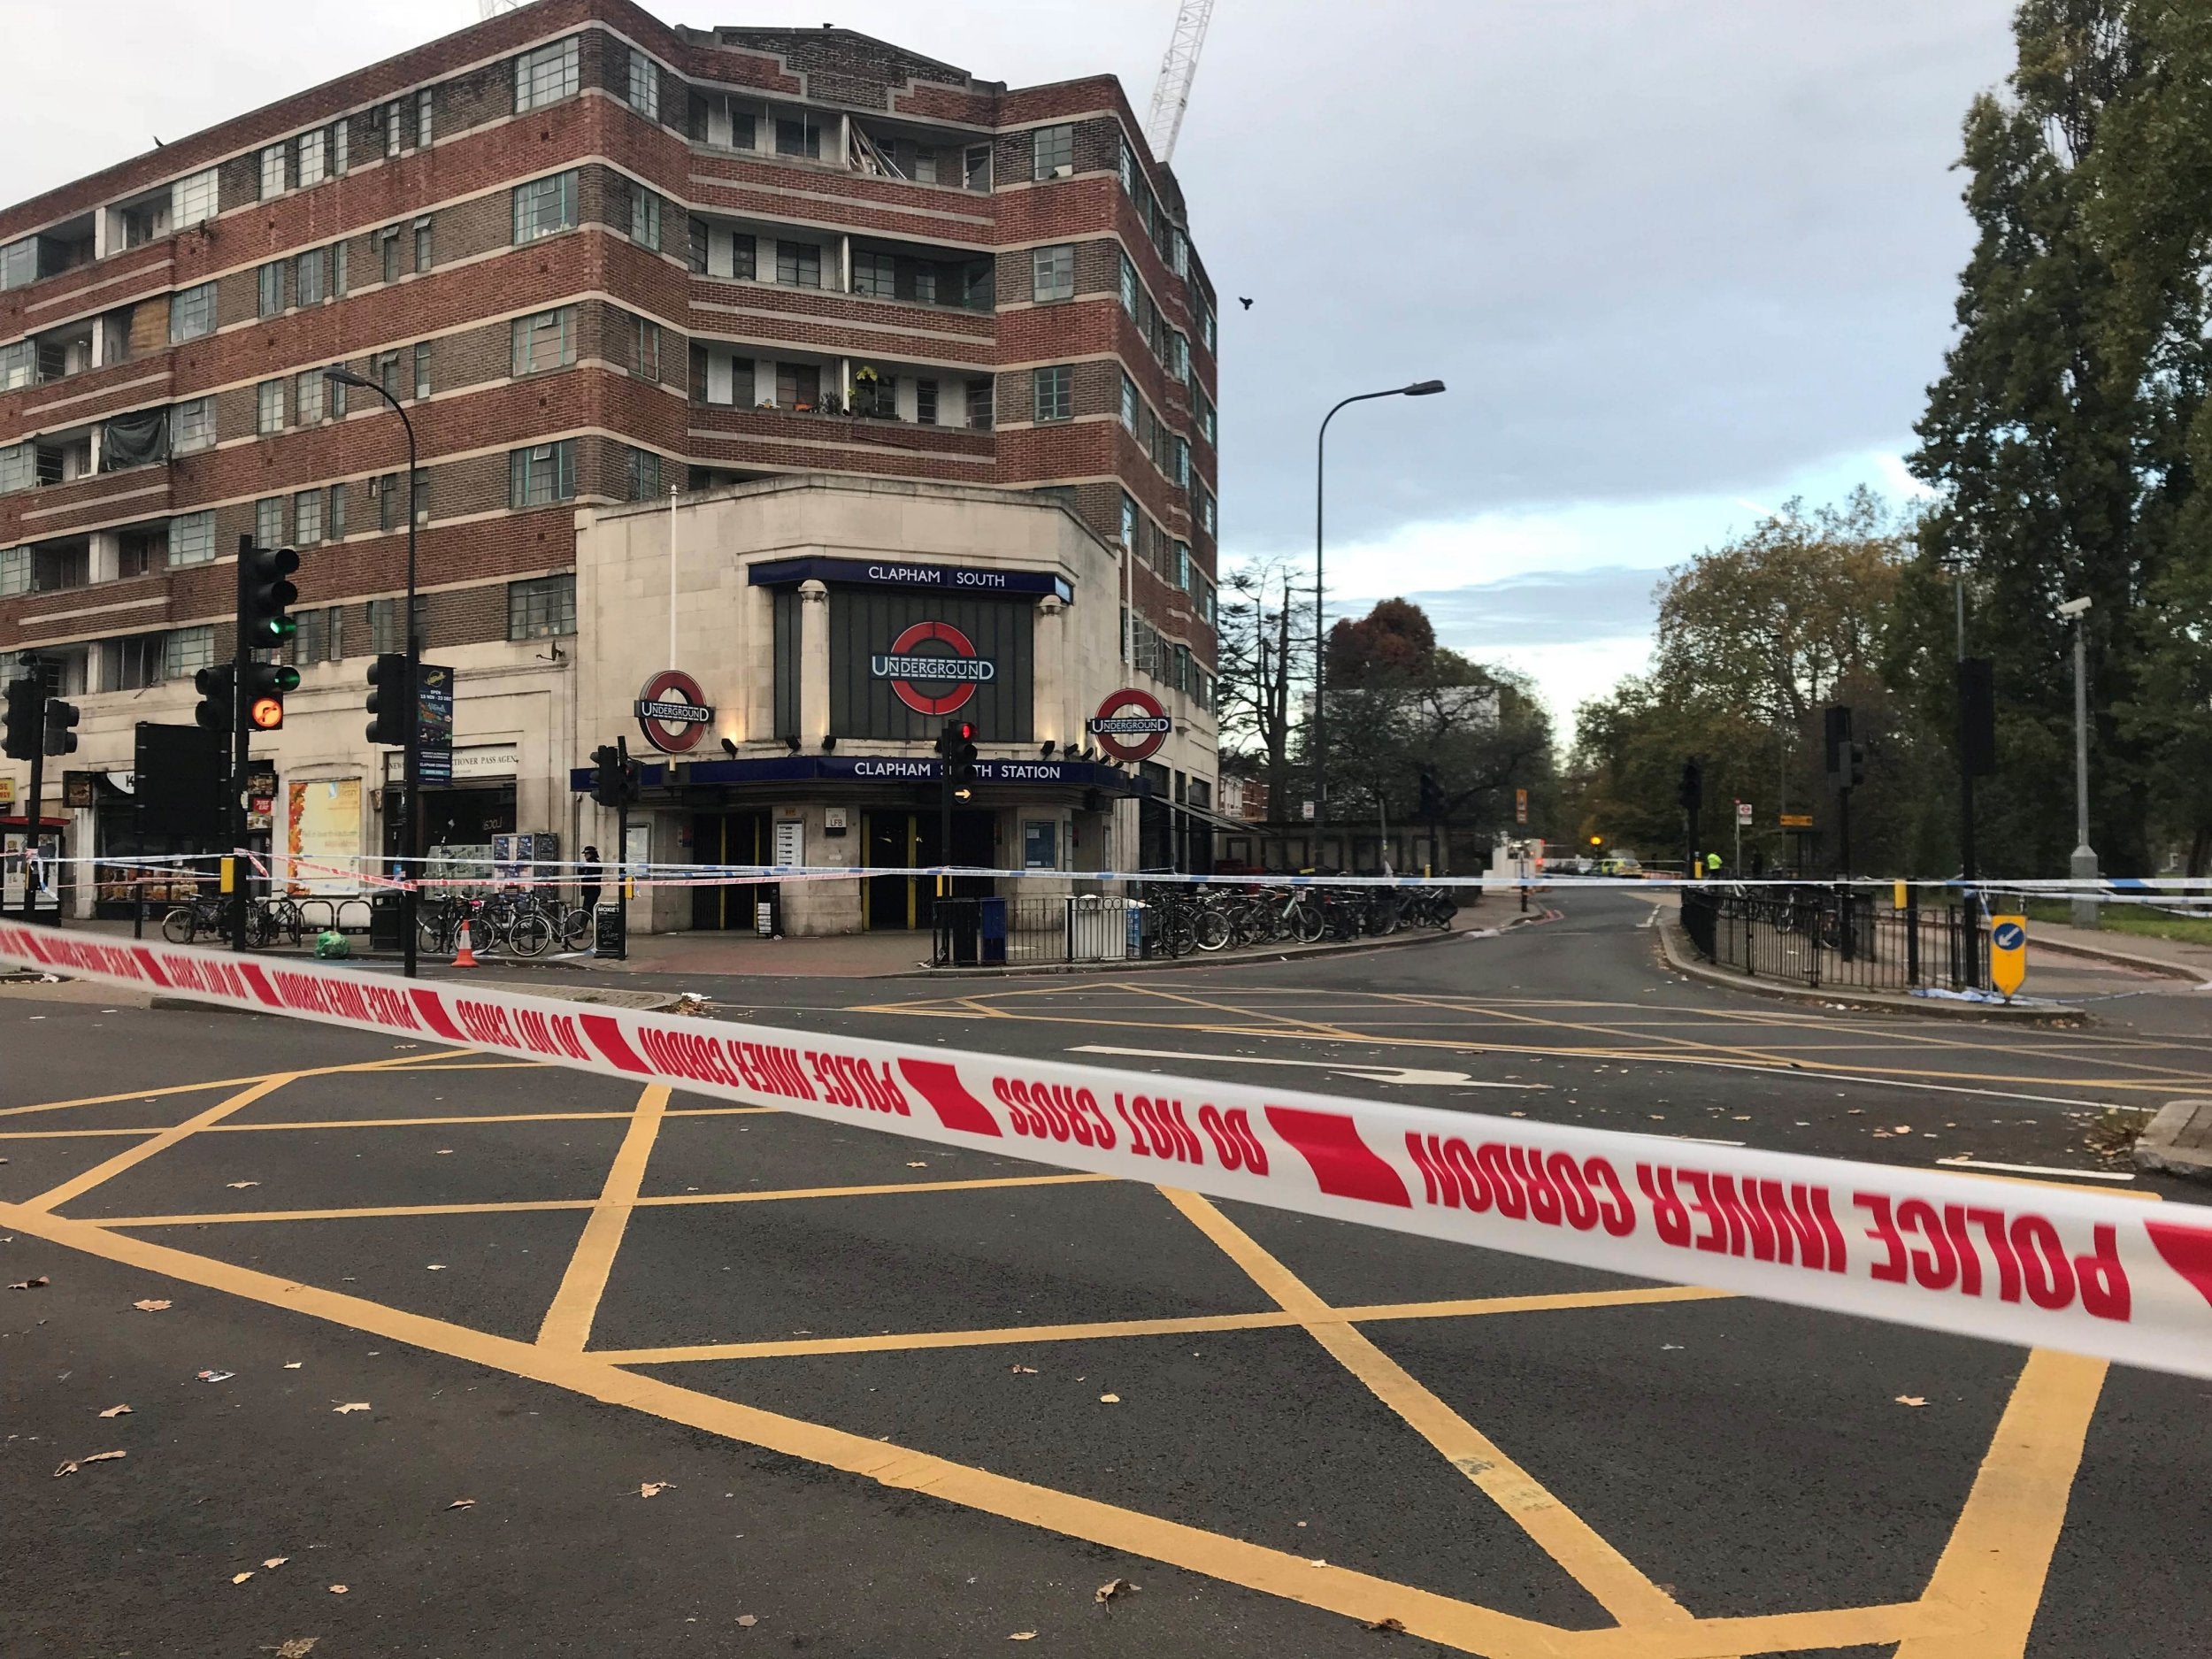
{"type": "Point", "coordinates": [287, 679]}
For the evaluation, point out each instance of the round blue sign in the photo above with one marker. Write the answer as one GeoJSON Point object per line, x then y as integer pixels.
{"type": "Point", "coordinates": [2009, 936]}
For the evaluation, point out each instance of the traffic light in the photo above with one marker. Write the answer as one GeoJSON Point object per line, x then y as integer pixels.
{"type": "Point", "coordinates": [1693, 788]}
{"type": "Point", "coordinates": [59, 717]}
{"type": "Point", "coordinates": [1432, 795]}
{"type": "Point", "coordinates": [615, 778]}
{"type": "Point", "coordinates": [265, 686]}
{"type": "Point", "coordinates": [218, 691]}
{"type": "Point", "coordinates": [1836, 745]}
{"type": "Point", "coordinates": [265, 595]}
{"type": "Point", "coordinates": [26, 698]}
{"type": "Point", "coordinates": [389, 699]}
{"type": "Point", "coordinates": [1857, 775]}
{"type": "Point", "coordinates": [956, 744]}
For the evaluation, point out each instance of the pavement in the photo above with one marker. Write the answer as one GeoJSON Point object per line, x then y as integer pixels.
{"type": "Point", "coordinates": [2174, 958]}
{"type": "Point", "coordinates": [530, 1363]}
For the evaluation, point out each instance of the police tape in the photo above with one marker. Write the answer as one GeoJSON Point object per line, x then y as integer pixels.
{"type": "Point", "coordinates": [2019, 1262]}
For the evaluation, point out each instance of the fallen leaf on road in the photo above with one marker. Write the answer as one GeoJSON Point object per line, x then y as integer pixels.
{"type": "Point", "coordinates": [237, 1186]}
{"type": "Point", "coordinates": [1023, 1635]}
{"type": "Point", "coordinates": [298, 1647]}
{"type": "Point", "coordinates": [917, 1163]}
{"type": "Point", "coordinates": [338, 1589]}
{"type": "Point", "coordinates": [1024, 1370]}
{"type": "Point", "coordinates": [1113, 1587]}
{"type": "Point", "coordinates": [150, 1307]}
{"type": "Point", "coordinates": [1387, 1626]}
{"type": "Point", "coordinates": [274, 1562]}
{"type": "Point", "coordinates": [1910, 1400]}
{"type": "Point", "coordinates": [293, 1364]}
{"type": "Point", "coordinates": [350, 1405]}
{"type": "Point", "coordinates": [651, 1488]}
{"type": "Point", "coordinates": [1110, 1400]}
{"type": "Point", "coordinates": [217, 1376]}
{"type": "Point", "coordinates": [445, 1152]}
{"type": "Point", "coordinates": [239, 1577]}
{"type": "Point", "coordinates": [436, 1267]}
{"type": "Point", "coordinates": [31, 1284]}
{"type": "Point", "coordinates": [117, 1411]}
{"type": "Point", "coordinates": [748, 1620]}
{"type": "Point", "coordinates": [75, 1463]}
{"type": "Point", "coordinates": [1316, 1561]}
{"type": "Point", "coordinates": [461, 1503]}
{"type": "Point", "coordinates": [1902, 1129]}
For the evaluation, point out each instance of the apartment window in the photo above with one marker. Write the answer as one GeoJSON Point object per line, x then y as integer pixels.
{"type": "Point", "coordinates": [1205, 408]}
{"type": "Point", "coordinates": [132, 663]}
{"type": "Point", "coordinates": [192, 425]}
{"type": "Point", "coordinates": [15, 578]}
{"type": "Point", "coordinates": [272, 171]}
{"type": "Point", "coordinates": [387, 252]}
{"type": "Point", "coordinates": [193, 200]}
{"type": "Point", "coordinates": [422, 368]}
{"type": "Point", "coordinates": [645, 354]}
{"type": "Point", "coordinates": [1182, 462]}
{"type": "Point", "coordinates": [308, 398]}
{"type": "Point", "coordinates": [645, 475]}
{"type": "Point", "coordinates": [1206, 327]}
{"type": "Point", "coordinates": [191, 539]}
{"type": "Point", "coordinates": [1054, 152]}
{"type": "Point", "coordinates": [798, 138]}
{"type": "Point", "coordinates": [976, 167]}
{"type": "Point", "coordinates": [421, 496]}
{"type": "Point", "coordinates": [1207, 603]}
{"type": "Point", "coordinates": [307, 518]}
{"type": "Point", "coordinates": [547, 340]}
{"type": "Point", "coordinates": [1052, 273]}
{"type": "Point", "coordinates": [541, 609]}
{"type": "Point", "coordinates": [644, 86]}
{"type": "Point", "coordinates": [339, 134]}
{"type": "Point", "coordinates": [424, 107]}
{"type": "Point", "coordinates": [422, 245]}
{"type": "Point", "coordinates": [338, 270]}
{"type": "Point", "coordinates": [696, 249]}
{"type": "Point", "coordinates": [187, 651]}
{"type": "Point", "coordinates": [192, 312]}
{"type": "Point", "coordinates": [19, 365]}
{"type": "Point", "coordinates": [798, 385]}
{"type": "Point", "coordinates": [547, 75]}
{"type": "Point", "coordinates": [1179, 253]}
{"type": "Point", "coordinates": [645, 218]}
{"type": "Point", "coordinates": [545, 206]}
{"type": "Point", "coordinates": [981, 398]}
{"type": "Point", "coordinates": [876, 395]}
{"type": "Point", "coordinates": [268, 407]}
{"type": "Point", "coordinates": [383, 620]}
{"type": "Point", "coordinates": [268, 521]}
{"type": "Point", "coordinates": [307, 277]}
{"type": "Point", "coordinates": [392, 128]}
{"type": "Point", "coordinates": [1186, 572]}
{"type": "Point", "coordinates": [384, 370]}
{"type": "Point", "coordinates": [876, 275]}
{"type": "Point", "coordinates": [541, 474]}
{"type": "Point", "coordinates": [335, 520]}
{"type": "Point", "coordinates": [18, 467]}
{"type": "Point", "coordinates": [310, 641]}
{"type": "Point", "coordinates": [312, 154]}
{"type": "Point", "coordinates": [268, 288]}
{"type": "Point", "coordinates": [1053, 392]}
{"type": "Point", "coordinates": [1128, 285]}
{"type": "Point", "coordinates": [1206, 510]}
{"type": "Point", "coordinates": [799, 263]}
{"type": "Point", "coordinates": [925, 403]}
{"type": "Point", "coordinates": [1128, 521]}
{"type": "Point", "coordinates": [384, 490]}
{"type": "Point", "coordinates": [1128, 403]}
{"type": "Point", "coordinates": [19, 263]}
{"type": "Point", "coordinates": [336, 391]}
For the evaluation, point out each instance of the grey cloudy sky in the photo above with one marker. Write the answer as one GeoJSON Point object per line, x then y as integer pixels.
{"type": "Point", "coordinates": [1677, 260]}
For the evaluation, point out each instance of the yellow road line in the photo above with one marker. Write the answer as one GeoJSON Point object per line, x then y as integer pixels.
{"type": "Point", "coordinates": [568, 1321]}
{"type": "Point", "coordinates": [389, 1123]}
{"type": "Point", "coordinates": [1196, 1324]}
{"type": "Point", "coordinates": [526, 1205]}
{"type": "Point", "coordinates": [1614, 1581]}
{"type": "Point", "coordinates": [1991, 1573]}
{"type": "Point", "coordinates": [228, 1082]}
{"type": "Point", "coordinates": [132, 1156]}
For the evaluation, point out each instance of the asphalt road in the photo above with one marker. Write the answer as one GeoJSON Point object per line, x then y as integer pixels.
{"type": "Point", "coordinates": [893, 1401]}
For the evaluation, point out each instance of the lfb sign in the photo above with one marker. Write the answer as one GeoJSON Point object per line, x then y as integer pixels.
{"type": "Point", "coordinates": [932, 668]}
{"type": "Point", "coordinates": [672, 712]}
{"type": "Point", "coordinates": [1130, 725]}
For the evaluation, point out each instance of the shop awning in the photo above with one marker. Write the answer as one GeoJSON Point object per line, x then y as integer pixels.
{"type": "Point", "coordinates": [878, 769]}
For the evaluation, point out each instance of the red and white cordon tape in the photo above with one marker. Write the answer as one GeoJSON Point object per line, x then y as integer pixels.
{"type": "Point", "coordinates": [2041, 1266]}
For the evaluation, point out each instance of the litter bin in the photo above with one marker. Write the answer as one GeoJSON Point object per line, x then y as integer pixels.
{"type": "Point", "coordinates": [958, 943]}
{"type": "Point", "coordinates": [384, 923]}
{"type": "Point", "coordinates": [994, 929]}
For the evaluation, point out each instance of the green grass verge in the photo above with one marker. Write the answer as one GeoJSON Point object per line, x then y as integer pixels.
{"type": "Point", "coordinates": [2131, 918]}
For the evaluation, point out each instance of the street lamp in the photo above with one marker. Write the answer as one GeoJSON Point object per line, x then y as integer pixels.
{"type": "Point", "coordinates": [1419, 388]}
{"type": "Point", "coordinates": [2084, 867]}
{"type": "Point", "coordinates": [411, 774]}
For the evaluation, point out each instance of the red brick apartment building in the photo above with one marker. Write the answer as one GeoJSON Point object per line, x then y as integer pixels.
{"type": "Point", "coordinates": [597, 258]}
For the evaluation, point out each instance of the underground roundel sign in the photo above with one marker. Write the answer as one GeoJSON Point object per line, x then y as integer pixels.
{"type": "Point", "coordinates": [1130, 725]}
{"type": "Point", "coordinates": [672, 712]}
{"type": "Point", "coordinates": [932, 668]}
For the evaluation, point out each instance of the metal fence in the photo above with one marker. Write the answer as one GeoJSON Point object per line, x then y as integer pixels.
{"type": "Point", "coordinates": [1819, 935]}
{"type": "Point", "coordinates": [1015, 931]}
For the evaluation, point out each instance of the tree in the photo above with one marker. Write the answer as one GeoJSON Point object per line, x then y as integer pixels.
{"type": "Point", "coordinates": [1396, 638]}
{"type": "Point", "coordinates": [1262, 655]}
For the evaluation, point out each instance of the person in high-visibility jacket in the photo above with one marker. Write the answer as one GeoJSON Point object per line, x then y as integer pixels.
{"type": "Point", "coordinates": [1712, 865]}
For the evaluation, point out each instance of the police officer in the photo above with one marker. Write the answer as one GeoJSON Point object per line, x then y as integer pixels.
{"type": "Point", "coordinates": [590, 874]}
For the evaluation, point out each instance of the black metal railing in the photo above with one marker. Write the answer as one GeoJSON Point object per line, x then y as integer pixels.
{"type": "Point", "coordinates": [1837, 936]}
{"type": "Point", "coordinates": [983, 933]}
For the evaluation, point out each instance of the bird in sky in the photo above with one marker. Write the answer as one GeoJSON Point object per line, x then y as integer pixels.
{"type": "Point", "coordinates": [1243, 302]}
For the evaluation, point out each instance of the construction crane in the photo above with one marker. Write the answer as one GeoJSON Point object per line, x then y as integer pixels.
{"type": "Point", "coordinates": [1171, 94]}
{"type": "Point", "coordinates": [489, 9]}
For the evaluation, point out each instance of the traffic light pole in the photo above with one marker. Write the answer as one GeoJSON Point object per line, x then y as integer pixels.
{"type": "Point", "coordinates": [33, 813]}
{"type": "Point", "coordinates": [240, 730]}
{"type": "Point", "coordinates": [621, 841]}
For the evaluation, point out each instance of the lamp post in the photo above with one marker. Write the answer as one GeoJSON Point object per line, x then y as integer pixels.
{"type": "Point", "coordinates": [1419, 388]}
{"type": "Point", "coordinates": [2084, 865]}
{"type": "Point", "coordinates": [411, 774]}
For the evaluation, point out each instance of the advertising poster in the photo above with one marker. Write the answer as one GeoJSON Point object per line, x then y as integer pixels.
{"type": "Point", "coordinates": [323, 827]}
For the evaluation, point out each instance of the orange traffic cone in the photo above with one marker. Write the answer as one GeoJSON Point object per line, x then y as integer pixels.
{"type": "Point", "coordinates": [465, 957]}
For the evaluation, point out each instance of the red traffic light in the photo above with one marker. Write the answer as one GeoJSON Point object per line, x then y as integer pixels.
{"type": "Point", "coordinates": [964, 730]}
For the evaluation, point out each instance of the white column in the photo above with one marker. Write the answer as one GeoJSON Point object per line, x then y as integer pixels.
{"type": "Point", "coordinates": [1049, 689]}
{"type": "Point", "coordinates": [814, 672]}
